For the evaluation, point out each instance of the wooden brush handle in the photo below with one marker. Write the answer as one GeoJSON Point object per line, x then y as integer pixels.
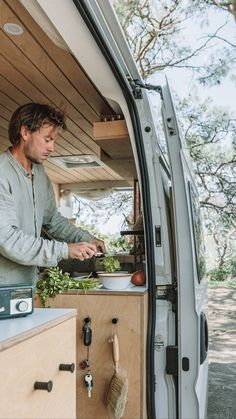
{"type": "Point", "coordinates": [116, 352]}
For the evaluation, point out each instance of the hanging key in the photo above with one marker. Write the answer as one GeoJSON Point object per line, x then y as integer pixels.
{"type": "Point", "coordinates": [88, 379]}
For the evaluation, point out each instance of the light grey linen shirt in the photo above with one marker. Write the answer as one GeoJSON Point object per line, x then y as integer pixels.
{"type": "Point", "coordinates": [26, 204]}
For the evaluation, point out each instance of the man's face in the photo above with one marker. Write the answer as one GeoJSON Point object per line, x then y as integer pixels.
{"type": "Point", "coordinates": [40, 144]}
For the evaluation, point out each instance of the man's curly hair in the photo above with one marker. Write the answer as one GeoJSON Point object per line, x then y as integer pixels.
{"type": "Point", "coordinates": [33, 116]}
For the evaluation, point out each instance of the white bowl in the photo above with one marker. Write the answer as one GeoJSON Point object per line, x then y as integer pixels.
{"type": "Point", "coordinates": [115, 281]}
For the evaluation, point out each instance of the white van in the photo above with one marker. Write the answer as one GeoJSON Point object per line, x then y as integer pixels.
{"type": "Point", "coordinates": [72, 53]}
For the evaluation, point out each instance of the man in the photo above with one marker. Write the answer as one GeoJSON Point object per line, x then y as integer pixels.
{"type": "Point", "coordinates": [27, 201]}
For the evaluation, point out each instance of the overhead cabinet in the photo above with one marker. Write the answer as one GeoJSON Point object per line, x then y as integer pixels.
{"type": "Point", "coordinates": [113, 138]}
{"type": "Point", "coordinates": [116, 150]}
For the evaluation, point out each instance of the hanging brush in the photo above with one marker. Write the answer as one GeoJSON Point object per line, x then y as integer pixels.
{"type": "Point", "coordinates": [118, 388]}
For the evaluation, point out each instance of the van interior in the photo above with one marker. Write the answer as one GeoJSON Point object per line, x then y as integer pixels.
{"type": "Point", "coordinates": [94, 153]}
{"type": "Point", "coordinates": [57, 61]}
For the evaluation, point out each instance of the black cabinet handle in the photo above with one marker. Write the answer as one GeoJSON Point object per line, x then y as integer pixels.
{"type": "Point", "coordinates": [67, 367]}
{"type": "Point", "coordinates": [42, 385]}
{"type": "Point", "coordinates": [87, 335]}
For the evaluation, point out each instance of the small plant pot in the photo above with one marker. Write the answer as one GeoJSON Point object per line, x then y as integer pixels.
{"type": "Point", "coordinates": [115, 280]}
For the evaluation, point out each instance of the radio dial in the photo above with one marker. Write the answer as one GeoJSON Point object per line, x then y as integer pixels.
{"type": "Point", "coordinates": [22, 306]}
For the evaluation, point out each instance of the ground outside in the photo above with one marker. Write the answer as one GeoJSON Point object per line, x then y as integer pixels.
{"type": "Point", "coordinates": [222, 353]}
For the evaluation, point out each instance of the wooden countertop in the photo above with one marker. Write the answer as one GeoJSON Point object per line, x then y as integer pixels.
{"type": "Point", "coordinates": [130, 290]}
{"type": "Point", "coordinates": [16, 330]}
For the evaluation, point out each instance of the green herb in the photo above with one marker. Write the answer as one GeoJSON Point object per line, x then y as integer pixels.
{"type": "Point", "coordinates": [110, 264]}
{"type": "Point", "coordinates": [54, 282]}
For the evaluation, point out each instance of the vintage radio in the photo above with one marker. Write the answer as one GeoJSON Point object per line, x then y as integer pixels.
{"type": "Point", "coordinates": [16, 301]}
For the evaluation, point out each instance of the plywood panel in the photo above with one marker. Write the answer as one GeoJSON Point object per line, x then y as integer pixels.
{"type": "Point", "coordinates": [5, 112]}
{"type": "Point", "coordinates": [8, 102]}
{"type": "Point", "coordinates": [11, 90]}
{"type": "Point", "coordinates": [110, 130]}
{"type": "Point", "coordinates": [64, 60]}
{"type": "Point", "coordinates": [4, 138]}
{"type": "Point", "coordinates": [113, 138]}
{"type": "Point", "coordinates": [40, 59]}
{"type": "Point", "coordinates": [38, 359]}
{"type": "Point", "coordinates": [131, 310]}
{"type": "Point", "coordinates": [46, 87]}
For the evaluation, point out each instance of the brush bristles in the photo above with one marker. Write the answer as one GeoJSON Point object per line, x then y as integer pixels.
{"type": "Point", "coordinates": [117, 395]}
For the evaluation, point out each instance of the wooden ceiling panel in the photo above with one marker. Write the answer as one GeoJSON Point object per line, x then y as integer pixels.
{"type": "Point", "coordinates": [64, 60]}
{"type": "Point", "coordinates": [3, 140]}
{"type": "Point", "coordinates": [7, 102]}
{"type": "Point", "coordinates": [5, 113]}
{"type": "Point", "coordinates": [41, 77]}
{"type": "Point", "coordinates": [11, 73]}
{"type": "Point", "coordinates": [34, 69]}
{"type": "Point", "coordinates": [12, 91]}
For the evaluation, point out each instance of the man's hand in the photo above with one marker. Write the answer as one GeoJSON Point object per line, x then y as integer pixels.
{"type": "Point", "coordinates": [100, 245]}
{"type": "Point", "coordinates": [82, 250]}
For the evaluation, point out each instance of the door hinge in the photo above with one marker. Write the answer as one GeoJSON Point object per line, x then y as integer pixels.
{"type": "Point", "coordinates": [172, 360]}
{"type": "Point", "coordinates": [137, 85]}
{"type": "Point", "coordinates": [167, 292]}
{"type": "Point", "coordinates": [159, 343]}
{"type": "Point", "coordinates": [170, 123]}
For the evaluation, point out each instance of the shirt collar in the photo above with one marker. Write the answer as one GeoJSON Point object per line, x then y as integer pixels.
{"type": "Point", "coordinates": [16, 164]}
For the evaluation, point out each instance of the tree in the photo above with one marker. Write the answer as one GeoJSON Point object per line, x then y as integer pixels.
{"type": "Point", "coordinates": [155, 33]}
{"type": "Point", "coordinates": [228, 6]}
{"type": "Point", "coordinates": [210, 133]}
{"type": "Point", "coordinates": [100, 209]}
{"type": "Point", "coordinates": [94, 214]}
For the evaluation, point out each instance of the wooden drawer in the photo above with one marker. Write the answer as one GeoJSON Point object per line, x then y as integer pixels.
{"type": "Point", "coordinates": [38, 359]}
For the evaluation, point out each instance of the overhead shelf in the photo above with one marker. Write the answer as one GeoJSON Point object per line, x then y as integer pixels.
{"type": "Point", "coordinates": [113, 138]}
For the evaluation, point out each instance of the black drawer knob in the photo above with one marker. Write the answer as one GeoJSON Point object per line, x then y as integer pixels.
{"type": "Point", "coordinates": [67, 367]}
{"type": "Point", "coordinates": [42, 385]}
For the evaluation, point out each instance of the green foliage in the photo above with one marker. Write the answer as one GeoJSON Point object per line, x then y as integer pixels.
{"type": "Point", "coordinates": [110, 264]}
{"type": "Point", "coordinates": [232, 268]}
{"type": "Point", "coordinates": [92, 229]}
{"type": "Point", "coordinates": [119, 244]}
{"type": "Point", "coordinates": [218, 275]}
{"type": "Point", "coordinates": [210, 134]}
{"type": "Point", "coordinates": [153, 32]}
{"type": "Point", "coordinates": [54, 282]}
{"type": "Point", "coordinates": [232, 283]}
{"type": "Point", "coordinates": [113, 244]}
{"type": "Point", "coordinates": [157, 36]}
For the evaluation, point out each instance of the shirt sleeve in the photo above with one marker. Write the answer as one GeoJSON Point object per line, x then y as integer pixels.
{"type": "Point", "coordinates": [22, 248]}
{"type": "Point", "coordinates": [58, 226]}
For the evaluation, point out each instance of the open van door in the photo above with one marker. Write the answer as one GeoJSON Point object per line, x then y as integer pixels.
{"type": "Point", "coordinates": [73, 52]}
{"type": "Point", "coordinates": [192, 336]}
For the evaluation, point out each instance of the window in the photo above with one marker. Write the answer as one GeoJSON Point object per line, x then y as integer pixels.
{"type": "Point", "coordinates": [199, 248]}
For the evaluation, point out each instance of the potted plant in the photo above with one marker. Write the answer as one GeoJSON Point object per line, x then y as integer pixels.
{"type": "Point", "coordinates": [112, 278]}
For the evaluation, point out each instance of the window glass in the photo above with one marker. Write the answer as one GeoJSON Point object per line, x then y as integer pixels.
{"type": "Point", "coordinates": [197, 233]}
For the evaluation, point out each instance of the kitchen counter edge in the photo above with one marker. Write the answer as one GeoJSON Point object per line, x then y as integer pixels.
{"type": "Point", "coordinates": [16, 330]}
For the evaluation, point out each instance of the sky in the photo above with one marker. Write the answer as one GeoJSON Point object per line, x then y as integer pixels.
{"type": "Point", "coordinates": [182, 80]}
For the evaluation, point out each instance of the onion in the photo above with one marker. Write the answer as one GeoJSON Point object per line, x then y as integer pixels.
{"type": "Point", "coordinates": [138, 278]}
